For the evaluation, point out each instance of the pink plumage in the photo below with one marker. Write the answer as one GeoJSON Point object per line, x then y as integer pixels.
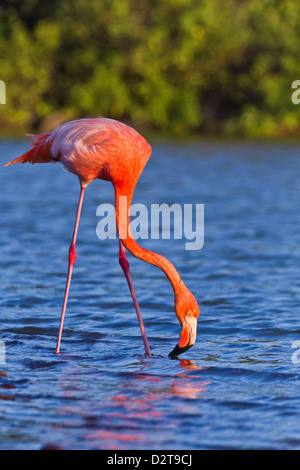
{"type": "Point", "coordinates": [110, 150]}
{"type": "Point", "coordinates": [92, 148]}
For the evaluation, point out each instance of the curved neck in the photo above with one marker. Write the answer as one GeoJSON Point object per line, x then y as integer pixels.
{"type": "Point", "coordinates": [123, 198]}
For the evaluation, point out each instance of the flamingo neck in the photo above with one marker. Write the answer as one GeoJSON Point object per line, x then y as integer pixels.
{"type": "Point", "coordinates": [123, 198]}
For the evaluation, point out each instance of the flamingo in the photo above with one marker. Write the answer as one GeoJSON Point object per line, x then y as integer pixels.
{"type": "Point", "coordinates": [110, 150]}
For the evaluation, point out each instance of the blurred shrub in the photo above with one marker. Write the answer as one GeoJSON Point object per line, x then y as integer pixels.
{"type": "Point", "coordinates": [170, 66]}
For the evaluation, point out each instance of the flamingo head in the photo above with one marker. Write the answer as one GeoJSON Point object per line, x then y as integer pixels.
{"type": "Point", "coordinates": [187, 312]}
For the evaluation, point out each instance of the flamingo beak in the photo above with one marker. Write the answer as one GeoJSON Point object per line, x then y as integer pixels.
{"type": "Point", "coordinates": [187, 336]}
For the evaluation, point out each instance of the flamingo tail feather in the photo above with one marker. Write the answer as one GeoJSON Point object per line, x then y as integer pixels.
{"type": "Point", "coordinates": [39, 153]}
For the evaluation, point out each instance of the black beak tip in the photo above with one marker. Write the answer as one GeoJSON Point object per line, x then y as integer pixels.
{"type": "Point", "coordinates": [177, 350]}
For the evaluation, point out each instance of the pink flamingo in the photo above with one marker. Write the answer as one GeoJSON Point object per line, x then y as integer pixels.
{"type": "Point", "coordinates": [112, 151]}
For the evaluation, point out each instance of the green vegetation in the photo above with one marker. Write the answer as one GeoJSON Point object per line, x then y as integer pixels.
{"type": "Point", "coordinates": [182, 67]}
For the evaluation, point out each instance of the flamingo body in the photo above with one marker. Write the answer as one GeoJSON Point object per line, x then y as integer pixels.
{"type": "Point", "coordinates": [110, 150]}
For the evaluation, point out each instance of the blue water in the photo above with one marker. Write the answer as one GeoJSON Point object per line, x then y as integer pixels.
{"type": "Point", "coordinates": [237, 388]}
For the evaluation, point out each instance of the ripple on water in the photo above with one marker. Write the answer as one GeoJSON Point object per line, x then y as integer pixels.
{"type": "Point", "coordinates": [236, 388]}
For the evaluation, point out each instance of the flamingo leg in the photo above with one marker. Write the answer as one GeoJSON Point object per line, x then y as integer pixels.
{"type": "Point", "coordinates": [72, 258]}
{"type": "Point", "coordinates": [125, 266]}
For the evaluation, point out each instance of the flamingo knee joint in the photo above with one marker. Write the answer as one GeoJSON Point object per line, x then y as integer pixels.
{"type": "Point", "coordinates": [72, 255]}
{"type": "Point", "coordinates": [124, 263]}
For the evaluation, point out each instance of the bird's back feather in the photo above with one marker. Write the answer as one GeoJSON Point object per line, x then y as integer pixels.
{"type": "Point", "coordinates": [92, 148]}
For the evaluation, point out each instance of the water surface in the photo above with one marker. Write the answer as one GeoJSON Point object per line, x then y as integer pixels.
{"type": "Point", "coordinates": [237, 388]}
